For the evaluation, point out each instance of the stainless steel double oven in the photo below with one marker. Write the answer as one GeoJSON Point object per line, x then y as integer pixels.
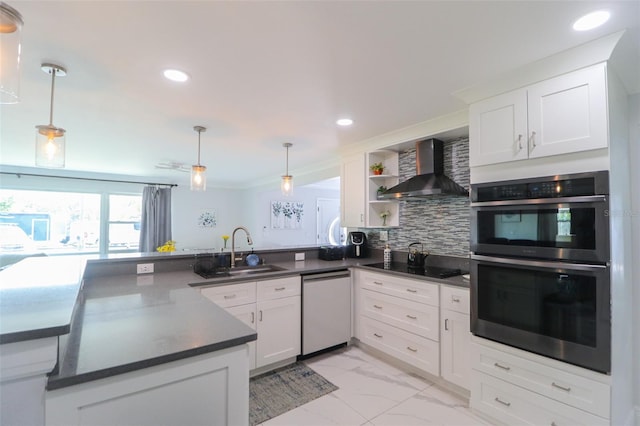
{"type": "Point", "coordinates": [540, 277]}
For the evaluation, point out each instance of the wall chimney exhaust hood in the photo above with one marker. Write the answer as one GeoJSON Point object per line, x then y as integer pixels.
{"type": "Point", "coordinates": [429, 179]}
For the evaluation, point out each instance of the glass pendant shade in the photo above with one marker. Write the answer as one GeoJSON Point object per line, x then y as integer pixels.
{"type": "Point", "coordinates": [198, 178]}
{"type": "Point", "coordinates": [10, 31]}
{"type": "Point", "coordinates": [198, 171]}
{"type": "Point", "coordinates": [50, 146]}
{"type": "Point", "coordinates": [50, 140]}
{"type": "Point", "coordinates": [286, 186]}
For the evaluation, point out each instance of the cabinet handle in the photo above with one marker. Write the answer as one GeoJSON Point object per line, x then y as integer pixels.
{"type": "Point", "coordinates": [229, 296]}
{"type": "Point", "coordinates": [377, 283]}
{"type": "Point", "coordinates": [378, 335]}
{"type": "Point", "coordinates": [555, 385]}
{"type": "Point", "coordinates": [260, 316]}
{"type": "Point", "coordinates": [508, 404]}
{"type": "Point", "coordinates": [280, 288]}
{"type": "Point", "coordinates": [455, 299]}
{"type": "Point", "coordinates": [253, 317]}
{"type": "Point", "coordinates": [411, 317]}
{"type": "Point", "coordinates": [505, 368]}
{"type": "Point", "coordinates": [446, 324]}
{"type": "Point", "coordinates": [519, 142]}
{"type": "Point", "coordinates": [410, 290]}
{"type": "Point", "coordinates": [377, 306]}
{"type": "Point", "coordinates": [532, 141]}
{"type": "Point", "coordinates": [412, 349]}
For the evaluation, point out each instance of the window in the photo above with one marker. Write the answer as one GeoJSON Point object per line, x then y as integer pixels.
{"type": "Point", "coordinates": [56, 222]}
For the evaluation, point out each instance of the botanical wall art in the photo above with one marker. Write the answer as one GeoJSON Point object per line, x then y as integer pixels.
{"type": "Point", "coordinates": [207, 219]}
{"type": "Point", "coordinates": [286, 214]}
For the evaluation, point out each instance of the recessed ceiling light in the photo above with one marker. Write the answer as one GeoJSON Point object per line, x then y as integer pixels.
{"type": "Point", "coordinates": [591, 20]}
{"type": "Point", "coordinates": [176, 75]}
{"type": "Point", "coordinates": [344, 122]}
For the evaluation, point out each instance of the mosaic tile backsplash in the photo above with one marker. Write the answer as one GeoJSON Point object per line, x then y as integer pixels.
{"type": "Point", "coordinates": [440, 222]}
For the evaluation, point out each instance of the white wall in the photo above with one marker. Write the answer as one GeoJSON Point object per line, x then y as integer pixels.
{"type": "Point", "coordinates": [257, 216]}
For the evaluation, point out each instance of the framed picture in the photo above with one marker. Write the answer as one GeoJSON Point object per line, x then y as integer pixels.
{"type": "Point", "coordinates": [207, 219]}
{"type": "Point", "coordinates": [510, 217]}
{"type": "Point", "coordinates": [286, 214]}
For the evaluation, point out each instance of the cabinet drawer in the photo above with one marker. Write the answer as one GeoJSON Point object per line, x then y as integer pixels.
{"type": "Point", "coordinates": [418, 291]}
{"type": "Point", "coordinates": [279, 288]}
{"type": "Point", "coordinates": [513, 405]}
{"type": "Point", "coordinates": [415, 350]}
{"type": "Point", "coordinates": [414, 317]}
{"type": "Point", "coordinates": [557, 384]}
{"type": "Point", "coordinates": [454, 299]}
{"type": "Point", "coordinates": [232, 294]}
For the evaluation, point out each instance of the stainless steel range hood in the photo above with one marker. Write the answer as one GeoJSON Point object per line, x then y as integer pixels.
{"type": "Point", "coordinates": [429, 179]}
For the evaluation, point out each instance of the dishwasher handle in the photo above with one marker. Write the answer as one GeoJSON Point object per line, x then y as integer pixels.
{"type": "Point", "coordinates": [326, 276]}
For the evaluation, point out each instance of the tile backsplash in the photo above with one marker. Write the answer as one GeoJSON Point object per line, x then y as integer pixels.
{"type": "Point", "coordinates": [440, 222]}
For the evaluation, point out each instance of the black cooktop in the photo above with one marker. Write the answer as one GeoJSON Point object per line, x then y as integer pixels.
{"type": "Point", "coordinates": [429, 271]}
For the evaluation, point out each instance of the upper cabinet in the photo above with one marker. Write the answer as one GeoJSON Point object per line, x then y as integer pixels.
{"type": "Point", "coordinates": [352, 192]}
{"type": "Point", "coordinates": [562, 115]}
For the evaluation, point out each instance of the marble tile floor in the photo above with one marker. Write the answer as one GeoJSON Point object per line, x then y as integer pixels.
{"type": "Point", "coordinates": [374, 393]}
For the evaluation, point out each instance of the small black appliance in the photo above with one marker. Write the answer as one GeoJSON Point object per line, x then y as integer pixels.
{"type": "Point", "coordinates": [331, 253]}
{"type": "Point", "coordinates": [357, 244]}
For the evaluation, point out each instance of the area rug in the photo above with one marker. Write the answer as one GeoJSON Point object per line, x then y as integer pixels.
{"type": "Point", "coordinates": [284, 389]}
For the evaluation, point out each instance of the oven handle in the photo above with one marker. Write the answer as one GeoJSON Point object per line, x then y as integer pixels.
{"type": "Point", "coordinates": [540, 263]}
{"type": "Point", "coordinates": [559, 200]}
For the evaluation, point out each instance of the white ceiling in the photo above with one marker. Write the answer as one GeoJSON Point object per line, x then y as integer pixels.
{"type": "Point", "coordinates": [264, 73]}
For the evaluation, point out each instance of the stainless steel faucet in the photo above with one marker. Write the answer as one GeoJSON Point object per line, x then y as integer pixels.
{"type": "Point", "coordinates": [233, 244]}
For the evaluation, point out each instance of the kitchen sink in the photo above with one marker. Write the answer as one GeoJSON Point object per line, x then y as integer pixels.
{"type": "Point", "coordinates": [238, 272]}
{"type": "Point", "coordinates": [251, 270]}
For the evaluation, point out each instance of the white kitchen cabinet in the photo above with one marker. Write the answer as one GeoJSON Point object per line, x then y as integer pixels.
{"type": "Point", "coordinates": [455, 336]}
{"type": "Point", "coordinates": [518, 387]}
{"type": "Point", "coordinates": [352, 192]}
{"type": "Point", "coordinates": [565, 114]}
{"type": "Point", "coordinates": [212, 389]}
{"type": "Point", "coordinates": [272, 308]}
{"type": "Point", "coordinates": [400, 317]}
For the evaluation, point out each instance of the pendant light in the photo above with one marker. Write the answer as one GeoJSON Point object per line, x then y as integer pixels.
{"type": "Point", "coordinates": [50, 140]}
{"type": "Point", "coordinates": [286, 186]}
{"type": "Point", "coordinates": [10, 31]}
{"type": "Point", "coordinates": [199, 172]}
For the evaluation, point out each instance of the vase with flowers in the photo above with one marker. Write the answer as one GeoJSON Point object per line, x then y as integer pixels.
{"type": "Point", "coordinates": [225, 238]}
{"type": "Point", "coordinates": [384, 215]}
{"type": "Point", "coordinates": [169, 246]}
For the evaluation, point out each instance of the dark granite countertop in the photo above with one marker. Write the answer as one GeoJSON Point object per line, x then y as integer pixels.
{"type": "Point", "coordinates": [37, 297]}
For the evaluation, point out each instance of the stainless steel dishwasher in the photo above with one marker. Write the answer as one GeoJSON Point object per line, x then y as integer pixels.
{"type": "Point", "coordinates": [326, 310]}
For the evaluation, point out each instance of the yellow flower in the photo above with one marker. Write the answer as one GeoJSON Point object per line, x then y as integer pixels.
{"type": "Point", "coordinates": [167, 247]}
{"type": "Point", "coordinates": [225, 238]}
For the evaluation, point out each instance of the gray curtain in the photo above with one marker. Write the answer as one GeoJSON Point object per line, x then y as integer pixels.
{"type": "Point", "coordinates": [155, 225]}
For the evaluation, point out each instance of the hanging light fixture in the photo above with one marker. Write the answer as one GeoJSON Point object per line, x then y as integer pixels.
{"type": "Point", "coordinates": [199, 172]}
{"type": "Point", "coordinates": [10, 30]}
{"type": "Point", "coordinates": [286, 186]}
{"type": "Point", "coordinates": [50, 140]}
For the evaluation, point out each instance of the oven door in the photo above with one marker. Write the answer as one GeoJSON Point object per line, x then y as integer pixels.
{"type": "Point", "coordinates": [555, 309]}
{"type": "Point", "coordinates": [572, 228]}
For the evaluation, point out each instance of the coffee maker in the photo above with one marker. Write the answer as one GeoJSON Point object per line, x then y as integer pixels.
{"type": "Point", "coordinates": [357, 244]}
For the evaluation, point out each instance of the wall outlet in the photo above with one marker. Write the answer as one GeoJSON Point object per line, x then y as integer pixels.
{"type": "Point", "coordinates": [384, 235]}
{"type": "Point", "coordinates": [299, 256]}
{"type": "Point", "coordinates": [144, 268]}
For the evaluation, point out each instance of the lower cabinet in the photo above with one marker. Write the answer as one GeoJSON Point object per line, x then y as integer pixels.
{"type": "Point", "coordinates": [210, 389]}
{"type": "Point", "coordinates": [455, 336]}
{"type": "Point", "coordinates": [272, 308]}
{"type": "Point", "coordinates": [517, 387]}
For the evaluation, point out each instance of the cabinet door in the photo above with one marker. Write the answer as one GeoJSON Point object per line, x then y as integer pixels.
{"type": "Point", "coordinates": [278, 330]}
{"type": "Point", "coordinates": [455, 344]}
{"type": "Point", "coordinates": [247, 314]}
{"type": "Point", "coordinates": [498, 129]}
{"type": "Point", "coordinates": [568, 113]}
{"type": "Point", "coordinates": [352, 192]}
